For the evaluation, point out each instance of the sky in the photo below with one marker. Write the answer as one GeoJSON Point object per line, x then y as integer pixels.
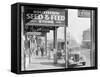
{"type": "Point", "coordinates": [76, 26]}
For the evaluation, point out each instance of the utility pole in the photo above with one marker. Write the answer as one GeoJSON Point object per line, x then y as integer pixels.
{"type": "Point", "coordinates": [55, 45]}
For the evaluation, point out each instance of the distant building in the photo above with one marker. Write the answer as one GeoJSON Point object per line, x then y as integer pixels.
{"type": "Point", "coordinates": [86, 42]}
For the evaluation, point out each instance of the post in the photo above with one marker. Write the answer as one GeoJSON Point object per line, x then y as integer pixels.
{"type": "Point", "coordinates": [46, 44]}
{"type": "Point", "coordinates": [65, 46]}
{"type": "Point", "coordinates": [29, 51]}
{"type": "Point", "coordinates": [55, 45]}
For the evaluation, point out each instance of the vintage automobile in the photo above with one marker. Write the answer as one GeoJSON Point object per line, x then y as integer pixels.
{"type": "Point", "coordinates": [76, 59]}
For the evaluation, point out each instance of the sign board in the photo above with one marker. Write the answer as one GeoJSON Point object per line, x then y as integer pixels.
{"type": "Point", "coordinates": [34, 33]}
{"type": "Point", "coordinates": [84, 13]}
{"type": "Point", "coordinates": [44, 16]}
{"type": "Point", "coordinates": [30, 34]}
{"type": "Point", "coordinates": [36, 29]}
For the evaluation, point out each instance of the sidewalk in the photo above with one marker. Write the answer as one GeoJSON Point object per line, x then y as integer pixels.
{"type": "Point", "coordinates": [40, 63]}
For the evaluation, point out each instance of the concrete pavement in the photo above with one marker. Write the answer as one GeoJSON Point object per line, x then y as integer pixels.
{"type": "Point", "coordinates": [40, 63]}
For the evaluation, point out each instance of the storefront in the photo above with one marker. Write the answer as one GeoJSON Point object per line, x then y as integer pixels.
{"type": "Point", "coordinates": [36, 23]}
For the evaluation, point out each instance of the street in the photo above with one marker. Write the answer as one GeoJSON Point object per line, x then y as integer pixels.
{"type": "Point", "coordinates": [44, 62]}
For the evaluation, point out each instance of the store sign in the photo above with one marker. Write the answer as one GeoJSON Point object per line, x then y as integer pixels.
{"type": "Point", "coordinates": [40, 16]}
{"type": "Point", "coordinates": [34, 33]}
{"type": "Point", "coordinates": [84, 13]}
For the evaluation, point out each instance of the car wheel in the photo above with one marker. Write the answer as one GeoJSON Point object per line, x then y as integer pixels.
{"type": "Point", "coordinates": [83, 63]}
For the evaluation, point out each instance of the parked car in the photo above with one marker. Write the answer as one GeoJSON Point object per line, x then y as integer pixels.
{"type": "Point", "coordinates": [76, 59]}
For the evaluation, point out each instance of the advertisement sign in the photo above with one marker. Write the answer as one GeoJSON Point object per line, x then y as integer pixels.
{"type": "Point", "coordinates": [44, 16]}
{"type": "Point", "coordinates": [84, 13]}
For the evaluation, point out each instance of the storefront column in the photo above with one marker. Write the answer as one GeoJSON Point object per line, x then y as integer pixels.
{"type": "Point", "coordinates": [55, 45]}
{"type": "Point", "coordinates": [29, 51]}
{"type": "Point", "coordinates": [46, 44]}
